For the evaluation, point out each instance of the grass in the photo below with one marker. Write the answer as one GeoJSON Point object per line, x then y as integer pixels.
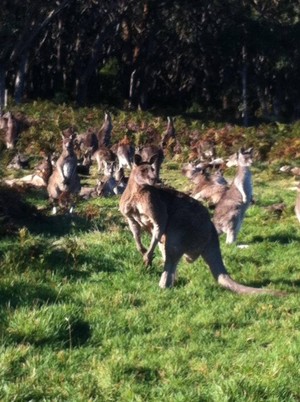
{"type": "Point", "coordinates": [81, 319]}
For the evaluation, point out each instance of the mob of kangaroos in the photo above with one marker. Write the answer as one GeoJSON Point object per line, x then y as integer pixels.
{"type": "Point", "coordinates": [178, 224]}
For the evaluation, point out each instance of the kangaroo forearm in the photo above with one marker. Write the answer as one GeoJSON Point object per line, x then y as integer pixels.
{"type": "Point", "coordinates": [136, 231]}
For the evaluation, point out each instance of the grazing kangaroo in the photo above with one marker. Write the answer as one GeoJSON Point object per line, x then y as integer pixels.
{"type": "Point", "coordinates": [230, 210]}
{"type": "Point", "coordinates": [64, 180]}
{"type": "Point", "coordinates": [297, 206]}
{"type": "Point", "coordinates": [147, 151]}
{"type": "Point", "coordinates": [180, 225]}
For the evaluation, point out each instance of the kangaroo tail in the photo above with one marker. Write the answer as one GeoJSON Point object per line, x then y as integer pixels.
{"type": "Point", "coordinates": [212, 255]}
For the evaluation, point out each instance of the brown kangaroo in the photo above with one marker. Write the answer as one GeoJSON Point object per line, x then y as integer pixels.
{"type": "Point", "coordinates": [147, 151]}
{"type": "Point", "coordinates": [125, 152]}
{"type": "Point", "coordinates": [180, 225]}
{"type": "Point", "coordinates": [87, 140]}
{"type": "Point", "coordinates": [64, 180]}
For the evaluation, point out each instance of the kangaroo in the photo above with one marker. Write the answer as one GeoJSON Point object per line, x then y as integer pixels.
{"type": "Point", "coordinates": [18, 162]}
{"type": "Point", "coordinates": [39, 178]}
{"type": "Point", "coordinates": [125, 153]}
{"type": "Point", "coordinates": [297, 206]}
{"type": "Point", "coordinates": [178, 224]}
{"type": "Point", "coordinates": [230, 210]}
{"type": "Point", "coordinates": [103, 156]}
{"type": "Point", "coordinates": [204, 150]}
{"type": "Point", "coordinates": [104, 135]}
{"type": "Point", "coordinates": [108, 185]}
{"type": "Point", "coordinates": [11, 130]}
{"type": "Point", "coordinates": [147, 151]}
{"type": "Point", "coordinates": [64, 180]}
{"type": "Point", "coordinates": [84, 167]}
{"type": "Point", "coordinates": [87, 140]}
{"type": "Point", "coordinates": [122, 180]}
{"type": "Point", "coordinates": [170, 132]}
{"type": "Point", "coordinates": [209, 187]}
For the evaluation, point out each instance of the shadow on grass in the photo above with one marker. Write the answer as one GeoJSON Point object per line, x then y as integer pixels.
{"type": "Point", "coordinates": [85, 265]}
{"type": "Point", "coordinates": [141, 374]}
{"type": "Point", "coordinates": [283, 238]}
{"type": "Point", "coordinates": [58, 225]}
{"type": "Point", "coordinates": [70, 334]}
{"type": "Point", "coordinates": [25, 294]}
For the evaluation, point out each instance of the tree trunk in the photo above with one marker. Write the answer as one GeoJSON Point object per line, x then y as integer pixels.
{"type": "Point", "coordinates": [245, 110]}
{"type": "Point", "coordinates": [2, 88]}
{"type": "Point", "coordinates": [132, 86]}
{"type": "Point", "coordinates": [20, 78]}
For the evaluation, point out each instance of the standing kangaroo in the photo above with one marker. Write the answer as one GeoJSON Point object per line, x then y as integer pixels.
{"type": "Point", "coordinates": [180, 225]}
{"type": "Point", "coordinates": [297, 206]}
{"type": "Point", "coordinates": [104, 134]}
{"type": "Point", "coordinates": [125, 152]}
{"type": "Point", "coordinates": [147, 151]}
{"type": "Point", "coordinates": [170, 132]}
{"type": "Point", "coordinates": [11, 130]}
{"type": "Point", "coordinates": [230, 210]}
{"type": "Point", "coordinates": [64, 180]}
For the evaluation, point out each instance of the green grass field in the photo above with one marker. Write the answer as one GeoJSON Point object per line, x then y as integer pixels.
{"type": "Point", "coordinates": [83, 320]}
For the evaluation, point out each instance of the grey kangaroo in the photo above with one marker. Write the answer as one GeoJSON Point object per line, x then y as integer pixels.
{"type": "Point", "coordinates": [11, 130]}
{"type": "Point", "coordinates": [104, 134]}
{"type": "Point", "coordinates": [297, 206]}
{"type": "Point", "coordinates": [178, 224]}
{"type": "Point", "coordinates": [64, 180]}
{"type": "Point", "coordinates": [231, 208]}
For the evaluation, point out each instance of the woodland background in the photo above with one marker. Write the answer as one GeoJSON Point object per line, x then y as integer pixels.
{"type": "Point", "coordinates": [234, 60]}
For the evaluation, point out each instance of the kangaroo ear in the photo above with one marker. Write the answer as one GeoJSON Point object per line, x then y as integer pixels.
{"type": "Point", "coordinates": [153, 159]}
{"type": "Point", "coordinates": [138, 159]}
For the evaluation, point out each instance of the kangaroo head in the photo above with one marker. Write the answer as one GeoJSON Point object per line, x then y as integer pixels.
{"type": "Point", "coordinates": [107, 117]}
{"type": "Point", "coordinates": [144, 171]}
{"type": "Point", "coordinates": [68, 142]}
{"type": "Point", "coordinates": [109, 168]}
{"type": "Point", "coordinates": [245, 157]}
{"type": "Point", "coordinates": [87, 157]}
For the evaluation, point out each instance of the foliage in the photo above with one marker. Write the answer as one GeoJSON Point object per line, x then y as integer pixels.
{"type": "Point", "coordinates": [181, 55]}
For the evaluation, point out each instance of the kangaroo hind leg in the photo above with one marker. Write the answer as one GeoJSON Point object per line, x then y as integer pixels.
{"type": "Point", "coordinates": [168, 277]}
